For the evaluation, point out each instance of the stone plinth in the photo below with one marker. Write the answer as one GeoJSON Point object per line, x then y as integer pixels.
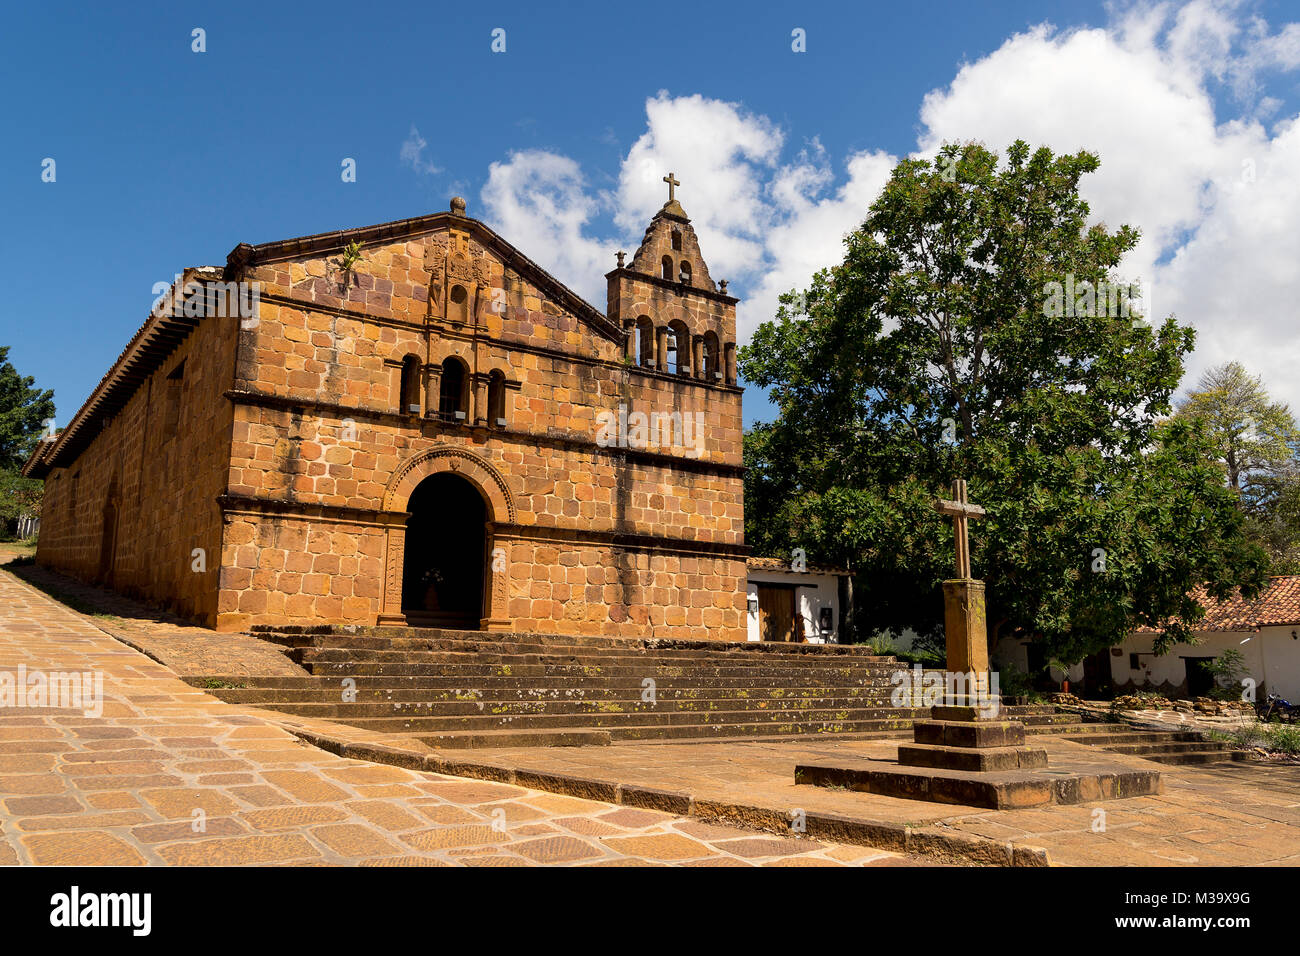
{"type": "Point", "coordinates": [964, 626]}
{"type": "Point", "coordinates": [999, 790]}
{"type": "Point", "coordinates": [968, 738]}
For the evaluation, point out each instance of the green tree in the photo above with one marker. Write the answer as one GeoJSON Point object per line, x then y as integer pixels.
{"type": "Point", "coordinates": [1257, 442]}
{"type": "Point", "coordinates": [1272, 505]}
{"type": "Point", "coordinates": [944, 346]}
{"type": "Point", "coordinates": [1251, 432]}
{"type": "Point", "coordinates": [18, 496]}
{"type": "Point", "coordinates": [24, 409]}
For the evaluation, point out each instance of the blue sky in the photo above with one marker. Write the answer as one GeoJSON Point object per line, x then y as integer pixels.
{"type": "Point", "coordinates": [168, 158]}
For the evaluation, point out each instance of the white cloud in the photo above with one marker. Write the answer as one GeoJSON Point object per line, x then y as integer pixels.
{"type": "Point", "coordinates": [763, 226]}
{"type": "Point", "coordinates": [722, 155]}
{"type": "Point", "coordinates": [538, 201]}
{"type": "Point", "coordinates": [1217, 197]}
{"type": "Point", "coordinates": [412, 153]}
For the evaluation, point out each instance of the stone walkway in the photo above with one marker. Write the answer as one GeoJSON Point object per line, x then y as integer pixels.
{"type": "Point", "coordinates": [1241, 814]}
{"type": "Point", "coordinates": [169, 775]}
{"type": "Point", "coordinates": [180, 646]}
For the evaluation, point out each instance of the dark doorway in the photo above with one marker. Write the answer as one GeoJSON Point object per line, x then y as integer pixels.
{"type": "Point", "coordinates": [1040, 678]}
{"type": "Point", "coordinates": [446, 541]}
{"type": "Point", "coordinates": [1199, 679]}
{"type": "Point", "coordinates": [1096, 673]}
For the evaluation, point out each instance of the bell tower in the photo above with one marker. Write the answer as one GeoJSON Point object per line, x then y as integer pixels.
{"type": "Point", "coordinates": [677, 321]}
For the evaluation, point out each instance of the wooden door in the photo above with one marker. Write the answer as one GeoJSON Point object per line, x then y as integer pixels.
{"type": "Point", "coordinates": [776, 617]}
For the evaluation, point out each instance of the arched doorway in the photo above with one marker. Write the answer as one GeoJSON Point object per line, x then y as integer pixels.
{"type": "Point", "coordinates": [445, 555]}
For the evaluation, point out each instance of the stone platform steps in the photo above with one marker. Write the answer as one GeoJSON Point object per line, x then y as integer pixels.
{"type": "Point", "coordinates": [1174, 747]}
{"type": "Point", "coordinates": [468, 689]}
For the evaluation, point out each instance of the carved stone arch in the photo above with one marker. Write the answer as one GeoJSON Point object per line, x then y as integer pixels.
{"type": "Point", "coordinates": [500, 512]}
{"type": "Point", "coordinates": [482, 474]}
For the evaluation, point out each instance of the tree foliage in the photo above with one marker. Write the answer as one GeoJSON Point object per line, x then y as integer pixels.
{"type": "Point", "coordinates": [932, 352]}
{"type": "Point", "coordinates": [1257, 442]}
{"type": "Point", "coordinates": [24, 409]}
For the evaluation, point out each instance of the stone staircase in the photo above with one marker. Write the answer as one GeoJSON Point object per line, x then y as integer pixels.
{"type": "Point", "coordinates": [1161, 746]}
{"type": "Point", "coordinates": [469, 689]}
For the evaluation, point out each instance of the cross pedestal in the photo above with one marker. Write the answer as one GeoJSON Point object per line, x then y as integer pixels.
{"type": "Point", "coordinates": [968, 752]}
{"type": "Point", "coordinates": [966, 731]}
{"type": "Point", "coordinates": [964, 627]}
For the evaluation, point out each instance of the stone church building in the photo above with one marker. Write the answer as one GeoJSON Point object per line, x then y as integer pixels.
{"type": "Point", "coordinates": [416, 423]}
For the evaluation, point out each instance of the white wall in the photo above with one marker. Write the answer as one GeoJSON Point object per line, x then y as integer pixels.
{"type": "Point", "coordinates": [1271, 657]}
{"type": "Point", "coordinates": [1013, 652]}
{"type": "Point", "coordinates": [815, 592]}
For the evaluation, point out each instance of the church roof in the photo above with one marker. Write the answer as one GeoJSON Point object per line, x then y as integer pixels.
{"type": "Point", "coordinates": [157, 338]}
{"type": "Point", "coordinates": [782, 564]}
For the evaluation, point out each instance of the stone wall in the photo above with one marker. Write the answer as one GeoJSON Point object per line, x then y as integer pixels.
{"type": "Point", "coordinates": [133, 506]}
{"type": "Point", "coordinates": [593, 530]}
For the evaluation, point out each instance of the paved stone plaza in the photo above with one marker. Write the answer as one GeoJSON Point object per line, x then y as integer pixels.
{"type": "Point", "coordinates": [170, 775]}
{"type": "Point", "coordinates": [125, 788]}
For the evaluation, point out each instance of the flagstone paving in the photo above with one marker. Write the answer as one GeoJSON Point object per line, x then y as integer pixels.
{"type": "Point", "coordinates": [167, 774]}
{"type": "Point", "coordinates": [182, 647]}
{"type": "Point", "coordinates": [126, 787]}
{"type": "Point", "coordinates": [1238, 814]}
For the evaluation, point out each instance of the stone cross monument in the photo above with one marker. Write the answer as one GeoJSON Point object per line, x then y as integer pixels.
{"type": "Point", "coordinates": [965, 627]}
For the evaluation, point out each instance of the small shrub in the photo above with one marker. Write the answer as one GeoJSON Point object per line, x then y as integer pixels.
{"type": "Point", "coordinates": [1247, 736]}
{"type": "Point", "coordinates": [1282, 737]}
{"type": "Point", "coordinates": [882, 644]}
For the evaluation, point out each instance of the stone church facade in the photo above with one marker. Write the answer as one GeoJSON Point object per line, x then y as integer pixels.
{"type": "Point", "coordinates": [415, 423]}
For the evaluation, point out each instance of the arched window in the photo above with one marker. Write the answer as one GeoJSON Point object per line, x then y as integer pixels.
{"type": "Point", "coordinates": [410, 396]}
{"type": "Point", "coordinates": [458, 307]}
{"type": "Point", "coordinates": [452, 404]}
{"type": "Point", "coordinates": [645, 342]}
{"type": "Point", "coordinates": [677, 240]}
{"type": "Point", "coordinates": [668, 268]}
{"type": "Point", "coordinates": [497, 399]}
{"type": "Point", "coordinates": [710, 357]}
{"type": "Point", "coordinates": [679, 348]}
{"type": "Point", "coordinates": [685, 275]}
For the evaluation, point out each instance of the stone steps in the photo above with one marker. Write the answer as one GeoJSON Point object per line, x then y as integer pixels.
{"type": "Point", "coordinates": [606, 668]}
{"type": "Point", "coordinates": [1173, 747]}
{"type": "Point", "coordinates": [676, 733]}
{"type": "Point", "coordinates": [520, 654]}
{"type": "Point", "coordinates": [387, 720]}
{"type": "Point", "coordinates": [411, 638]}
{"type": "Point", "coordinates": [345, 710]}
{"type": "Point", "coordinates": [467, 689]}
{"type": "Point", "coordinates": [530, 694]}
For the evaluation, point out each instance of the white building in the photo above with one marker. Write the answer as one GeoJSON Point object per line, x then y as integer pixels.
{"type": "Point", "coordinates": [788, 605]}
{"type": "Point", "coordinates": [1266, 631]}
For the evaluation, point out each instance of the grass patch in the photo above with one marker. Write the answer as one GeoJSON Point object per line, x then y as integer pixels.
{"type": "Point", "coordinates": [1284, 738]}
{"type": "Point", "coordinates": [216, 683]}
{"type": "Point", "coordinates": [1278, 738]}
